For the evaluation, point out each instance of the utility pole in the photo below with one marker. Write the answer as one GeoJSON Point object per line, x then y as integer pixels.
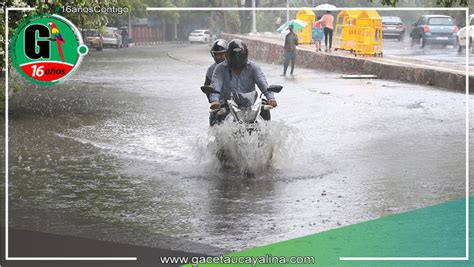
{"type": "Point", "coordinates": [129, 25]}
{"type": "Point", "coordinates": [287, 10]}
{"type": "Point", "coordinates": [175, 26]}
{"type": "Point", "coordinates": [175, 31]}
{"type": "Point", "coordinates": [254, 19]}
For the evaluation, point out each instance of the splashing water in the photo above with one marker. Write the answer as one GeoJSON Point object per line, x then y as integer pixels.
{"type": "Point", "coordinates": [235, 147]}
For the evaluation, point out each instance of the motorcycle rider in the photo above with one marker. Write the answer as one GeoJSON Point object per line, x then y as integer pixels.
{"type": "Point", "coordinates": [238, 74]}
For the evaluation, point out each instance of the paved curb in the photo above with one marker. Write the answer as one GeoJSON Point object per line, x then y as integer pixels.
{"type": "Point", "coordinates": [271, 51]}
{"type": "Point", "coordinates": [176, 58]}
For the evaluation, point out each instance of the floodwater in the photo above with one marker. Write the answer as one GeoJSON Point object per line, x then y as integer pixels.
{"type": "Point", "coordinates": [123, 152]}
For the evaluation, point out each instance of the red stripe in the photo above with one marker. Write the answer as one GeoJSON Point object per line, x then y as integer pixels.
{"type": "Point", "coordinates": [46, 71]}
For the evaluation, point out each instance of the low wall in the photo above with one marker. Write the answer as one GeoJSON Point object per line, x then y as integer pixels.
{"type": "Point", "coordinates": [271, 51]}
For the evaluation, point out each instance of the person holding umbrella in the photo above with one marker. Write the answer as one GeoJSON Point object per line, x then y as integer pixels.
{"type": "Point", "coordinates": [328, 24]}
{"type": "Point", "coordinates": [291, 41]}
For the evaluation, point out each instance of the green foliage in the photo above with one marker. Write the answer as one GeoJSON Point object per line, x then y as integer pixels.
{"type": "Point", "coordinates": [388, 2]}
{"type": "Point", "coordinates": [15, 17]}
{"type": "Point", "coordinates": [266, 21]}
{"type": "Point", "coordinates": [234, 21]}
{"type": "Point", "coordinates": [102, 30]}
{"type": "Point", "coordinates": [86, 20]}
{"type": "Point", "coordinates": [442, 3]}
{"type": "Point", "coordinates": [451, 3]}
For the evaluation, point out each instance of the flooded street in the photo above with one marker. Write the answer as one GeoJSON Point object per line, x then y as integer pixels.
{"type": "Point", "coordinates": [121, 152]}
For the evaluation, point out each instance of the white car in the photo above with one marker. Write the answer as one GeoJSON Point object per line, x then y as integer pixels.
{"type": "Point", "coordinates": [200, 36]}
{"type": "Point", "coordinates": [462, 35]}
{"type": "Point", "coordinates": [112, 38]}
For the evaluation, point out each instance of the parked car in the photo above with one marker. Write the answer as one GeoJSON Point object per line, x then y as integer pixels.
{"type": "Point", "coordinates": [393, 27]}
{"type": "Point", "coordinates": [200, 36]}
{"type": "Point", "coordinates": [434, 29]}
{"type": "Point", "coordinates": [93, 39]}
{"type": "Point", "coordinates": [462, 35]}
{"type": "Point", "coordinates": [112, 38]}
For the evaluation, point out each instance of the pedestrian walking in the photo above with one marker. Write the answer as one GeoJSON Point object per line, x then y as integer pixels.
{"type": "Point", "coordinates": [124, 34]}
{"type": "Point", "coordinates": [328, 23]}
{"type": "Point", "coordinates": [317, 34]}
{"type": "Point", "coordinates": [291, 41]}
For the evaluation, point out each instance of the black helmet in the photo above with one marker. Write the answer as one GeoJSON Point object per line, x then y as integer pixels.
{"type": "Point", "coordinates": [218, 46]}
{"type": "Point", "coordinates": [237, 54]}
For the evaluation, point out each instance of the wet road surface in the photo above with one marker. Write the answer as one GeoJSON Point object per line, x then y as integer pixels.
{"type": "Point", "coordinates": [442, 55]}
{"type": "Point", "coordinates": [121, 153]}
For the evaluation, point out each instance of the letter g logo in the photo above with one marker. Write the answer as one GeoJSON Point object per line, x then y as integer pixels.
{"type": "Point", "coordinates": [36, 48]}
{"type": "Point", "coordinates": [46, 49]}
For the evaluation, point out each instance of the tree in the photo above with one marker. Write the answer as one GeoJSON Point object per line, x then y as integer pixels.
{"type": "Point", "coordinates": [444, 3]}
{"type": "Point", "coordinates": [245, 16]}
{"type": "Point", "coordinates": [14, 19]}
{"type": "Point", "coordinates": [83, 20]}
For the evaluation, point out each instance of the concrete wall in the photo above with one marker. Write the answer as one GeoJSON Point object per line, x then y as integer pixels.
{"type": "Point", "coordinates": [271, 51]}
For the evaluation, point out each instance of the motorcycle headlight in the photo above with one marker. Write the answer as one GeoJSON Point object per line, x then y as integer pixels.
{"type": "Point", "coordinates": [247, 115]}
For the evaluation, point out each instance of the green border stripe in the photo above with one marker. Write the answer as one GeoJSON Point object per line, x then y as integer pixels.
{"type": "Point", "coordinates": [434, 231]}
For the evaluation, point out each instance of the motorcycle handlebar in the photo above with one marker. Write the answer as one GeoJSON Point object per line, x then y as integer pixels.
{"type": "Point", "coordinates": [265, 106]}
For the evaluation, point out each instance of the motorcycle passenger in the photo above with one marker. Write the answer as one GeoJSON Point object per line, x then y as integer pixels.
{"type": "Point", "coordinates": [218, 49]}
{"type": "Point", "coordinates": [237, 74]}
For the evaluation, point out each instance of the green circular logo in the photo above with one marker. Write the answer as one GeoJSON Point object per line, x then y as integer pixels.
{"type": "Point", "coordinates": [46, 49]}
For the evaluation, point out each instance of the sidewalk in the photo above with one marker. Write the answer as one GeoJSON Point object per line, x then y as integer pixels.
{"type": "Point", "coordinates": [274, 38]}
{"type": "Point", "coordinates": [269, 48]}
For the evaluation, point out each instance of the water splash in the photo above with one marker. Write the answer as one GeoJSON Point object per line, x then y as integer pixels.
{"type": "Point", "coordinates": [233, 147]}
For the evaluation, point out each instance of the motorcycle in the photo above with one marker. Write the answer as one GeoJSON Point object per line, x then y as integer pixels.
{"type": "Point", "coordinates": [243, 108]}
{"type": "Point", "coordinates": [242, 138]}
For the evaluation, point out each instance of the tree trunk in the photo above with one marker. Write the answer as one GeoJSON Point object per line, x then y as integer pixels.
{"type": "Point", "coordinates": [164, 31]}
{"type": "Point", "coordinates": [226, 20]}
{"type": "Point", "coordinates": [245, 17]}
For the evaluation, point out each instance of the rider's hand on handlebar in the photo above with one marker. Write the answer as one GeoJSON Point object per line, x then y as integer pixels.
{"type": "Point", "coordinates": [272, 102]}
{"type": "Point", "coordinates": [215, 105]}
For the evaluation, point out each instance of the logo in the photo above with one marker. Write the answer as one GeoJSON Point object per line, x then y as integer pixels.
{"type": "Point", "coordinates": [46, 49]}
